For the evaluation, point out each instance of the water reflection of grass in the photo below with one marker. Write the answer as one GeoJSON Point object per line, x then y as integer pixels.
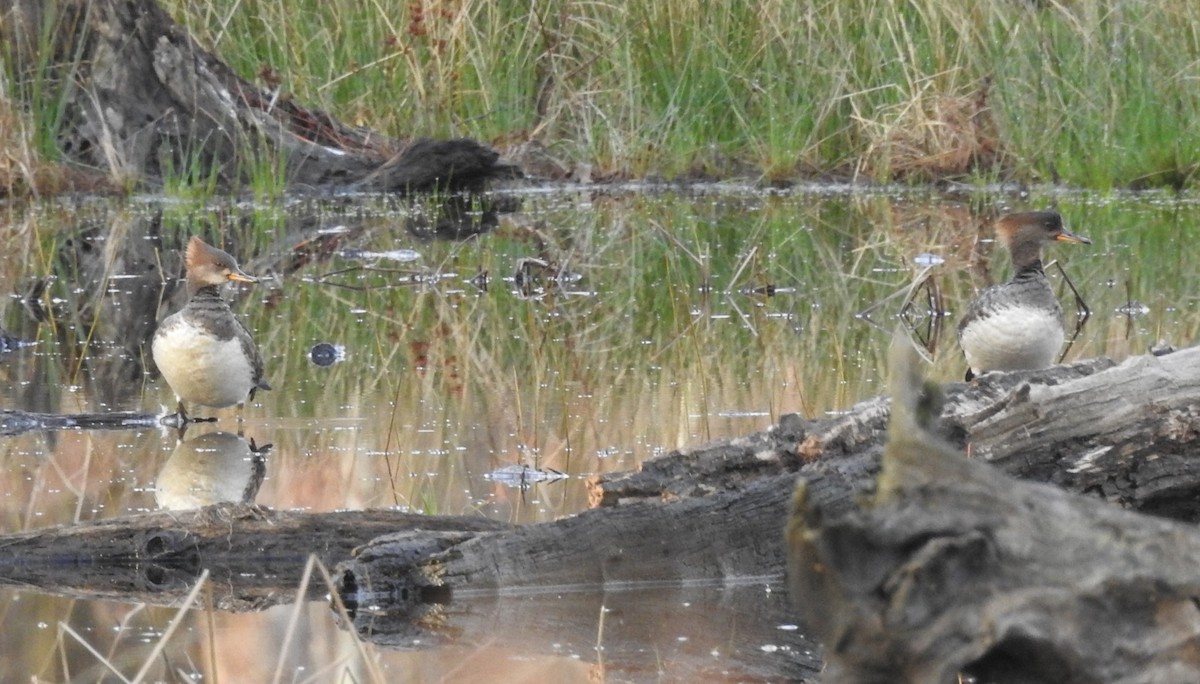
{"type": "Point", "coordinates": [657, 345]}
{"type": "Point", "coordinates": [663, 342]}
{"type": "Point", "coordinates": [659, 334]}
{"type": "Point", "coordinates": [648, 302]}
{"type": "Point", "coordinates": [151, 643]}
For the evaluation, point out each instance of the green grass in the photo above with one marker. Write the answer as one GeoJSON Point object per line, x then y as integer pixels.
{"type": "Point", "coordinates": [1088, 94]}
{"type": "Point", "coordinates": [1093, 94]}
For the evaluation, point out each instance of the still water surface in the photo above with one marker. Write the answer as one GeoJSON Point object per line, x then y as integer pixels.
{"type": "Point", "coordinates": [571, 333]}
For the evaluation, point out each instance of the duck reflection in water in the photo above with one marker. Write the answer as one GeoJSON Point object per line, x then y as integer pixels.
{"type": "Point", "coordinates": [215, 467]}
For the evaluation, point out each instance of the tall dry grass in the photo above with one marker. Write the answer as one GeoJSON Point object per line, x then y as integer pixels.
{"type": "Point", "coordinates": [22, 169]}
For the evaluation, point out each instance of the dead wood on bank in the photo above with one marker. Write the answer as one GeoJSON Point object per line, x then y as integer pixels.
{"type": "Point", "coordinates": [142, 101]}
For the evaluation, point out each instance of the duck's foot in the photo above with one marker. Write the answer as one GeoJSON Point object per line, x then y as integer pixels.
{"type": "Point", "coordinates": [178, 420]}
{"type": "Point", "coordinates": [181, 420]}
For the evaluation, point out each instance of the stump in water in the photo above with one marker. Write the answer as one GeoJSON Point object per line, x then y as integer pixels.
{"type": "Point", "coordinates": [143, 101]}
{"type": "Point", "coordinates": [952, 566]}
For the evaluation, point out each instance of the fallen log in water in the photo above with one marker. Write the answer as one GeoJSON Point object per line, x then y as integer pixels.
{"type": "Point", "coordinates": [954, 567]}
{"type": "Point", "coordinates": [715, 513]}
{"type": "Point", "coordinates": [255, 556]}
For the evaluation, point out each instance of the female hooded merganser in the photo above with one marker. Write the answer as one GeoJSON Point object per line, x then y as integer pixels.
{"type": "Point", "coordinates": [204, 352]}
{"type": "Point", "coordinates": [1018, 324]}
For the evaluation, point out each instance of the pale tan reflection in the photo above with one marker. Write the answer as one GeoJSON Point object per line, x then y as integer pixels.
{"type": "Point", "coordinates": [215, 467]}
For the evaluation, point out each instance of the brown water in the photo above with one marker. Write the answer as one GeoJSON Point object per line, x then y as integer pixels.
{"type": "Point", "coordinates": [610, 327]}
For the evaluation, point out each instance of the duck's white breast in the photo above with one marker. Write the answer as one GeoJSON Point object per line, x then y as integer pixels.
{"type": "Point", "coordinates": [200, 367]}
{"type": "Point", "coordinates": [1013, 338]}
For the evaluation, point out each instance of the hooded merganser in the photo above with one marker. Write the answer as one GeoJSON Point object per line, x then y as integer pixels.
{"type": "Point", "coordinates": [1018, 325]}
{"type": "Point", "coordinates": [204, 352]}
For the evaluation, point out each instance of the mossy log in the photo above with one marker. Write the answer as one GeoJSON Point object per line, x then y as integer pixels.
{"type": "Point", "coordinates": [142, 101]}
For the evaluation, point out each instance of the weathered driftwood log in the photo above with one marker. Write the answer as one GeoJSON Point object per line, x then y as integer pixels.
{"type": "Point", "coordinates": [714, 513]}
{"type": "Point", "coordinates": [702, 492]}
{"type": "Point", "coordinates": [642, 542]}
{"type": "Point", "coordinates": [143, 101]}
{"type": "Point", "coordinates": [1123, 432]}
{"type": "Point", "coordinates": [255, 556]}
{"type": "Point", "coordinates": [954, 567]}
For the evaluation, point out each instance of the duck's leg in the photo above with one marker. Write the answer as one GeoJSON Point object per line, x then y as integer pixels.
{"type": "Point", "coordinates": [181, 419]}
{"type": "Point", "coordinates": [241, 419]}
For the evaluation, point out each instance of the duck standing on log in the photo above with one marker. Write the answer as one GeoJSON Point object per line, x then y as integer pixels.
{"type": "Point", "coordinates": [1018, 324]}
{"type": "Point", "coordinates": [204, 352]}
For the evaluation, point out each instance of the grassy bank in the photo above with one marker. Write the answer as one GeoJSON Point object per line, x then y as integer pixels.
{"type": "Point", "coordinates": [1095, 94]}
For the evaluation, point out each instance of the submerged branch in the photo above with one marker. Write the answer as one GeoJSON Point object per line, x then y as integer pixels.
{"type": "Point", "coordinates": [14, 422]}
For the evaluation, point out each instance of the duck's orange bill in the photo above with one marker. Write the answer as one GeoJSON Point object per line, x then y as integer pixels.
{"type": "Point", "coordinates": [1068, 236]}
